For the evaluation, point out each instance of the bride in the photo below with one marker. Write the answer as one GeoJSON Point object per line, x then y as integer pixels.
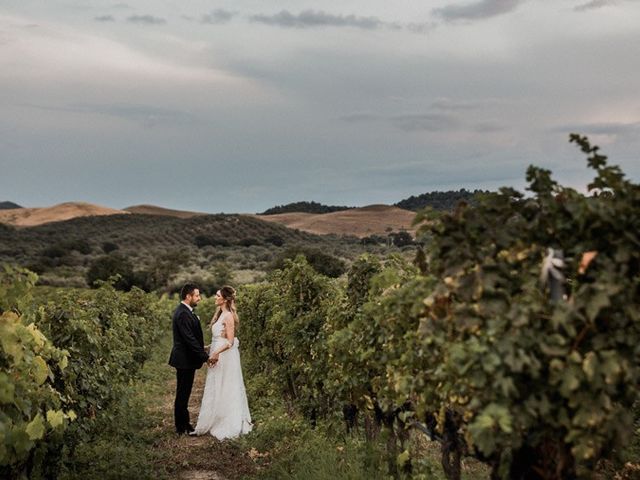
{"type": "Point", "coordinates": [224, 412]}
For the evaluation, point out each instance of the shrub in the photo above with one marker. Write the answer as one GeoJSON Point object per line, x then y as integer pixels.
{"type": "Point", "coordinates": [108, 247]}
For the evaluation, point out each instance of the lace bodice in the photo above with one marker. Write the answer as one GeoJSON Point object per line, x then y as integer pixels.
{"type": "Point", "coordinates": [217, 328]}
{"type": "Point", "coordinates": [218, 334]}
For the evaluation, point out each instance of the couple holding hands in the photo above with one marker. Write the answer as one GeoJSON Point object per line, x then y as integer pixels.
{"type": "Point", "coordinates": [224, 411]}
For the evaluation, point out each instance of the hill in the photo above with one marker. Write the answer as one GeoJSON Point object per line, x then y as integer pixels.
{"type": "Point", "coordinates": [360, 222]}
{"type": "Point", "coordinates": [167, 212]}
{"type": "Point", "coordinates": [437, 200]}
{"type": "Point", "coordinates": [8, 205]}
{"type": "Point", "coordinates": [303, 207]}
{"type": "Point", "coordinates": [29, 217]}
{"type": "Point", "coordinates": [142, 235]}
{"type": "Point", "coordinates": [62, 252]}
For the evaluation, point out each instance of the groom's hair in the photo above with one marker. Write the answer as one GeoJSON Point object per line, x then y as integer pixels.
{"type": "Point", "coordinates": [187, 289]}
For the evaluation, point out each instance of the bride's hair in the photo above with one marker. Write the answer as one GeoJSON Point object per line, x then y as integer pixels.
{"type": "Point", "coordinates": [229, 295]}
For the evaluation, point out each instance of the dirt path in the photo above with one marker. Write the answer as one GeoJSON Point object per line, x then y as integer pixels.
{"type": "Point", "coordinates": [194, 458]}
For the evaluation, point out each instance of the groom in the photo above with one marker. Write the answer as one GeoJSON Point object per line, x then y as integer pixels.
{"type": "Point", "coordinates": [188, 353]}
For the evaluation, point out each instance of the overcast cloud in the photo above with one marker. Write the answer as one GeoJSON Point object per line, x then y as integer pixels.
{"type": "Point", "coordinates": [476, 10]}
{"type": "Point", "coordinates": [237, 106]}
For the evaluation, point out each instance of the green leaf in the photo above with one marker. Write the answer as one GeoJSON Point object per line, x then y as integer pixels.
{"type": "Point", "coordinates": [7, 389]}
{"type": "Point", "coordinates": [55, 418]}
{"type": "Point", "coordinates": [589, 365]}
{"type": "Point", "coordinates": [570, 382]}
{"type": "Point", "coordinates": [597, 302]}
{"type": "Point", "coordinates": [40, 370]}
{"type": "Point", "coordinates": [35, 428]}
{"type": "Point", "coordinates": [64, 361]}
{"type": "Point", "coordinates": [403, 458]}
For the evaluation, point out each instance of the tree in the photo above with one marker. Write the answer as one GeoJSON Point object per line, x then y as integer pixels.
{"type": "Point", "coordinates": [113, 265]}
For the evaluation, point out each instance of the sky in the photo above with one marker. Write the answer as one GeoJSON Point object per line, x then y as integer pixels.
{"type": "Point", "coordinates": [237, 106]}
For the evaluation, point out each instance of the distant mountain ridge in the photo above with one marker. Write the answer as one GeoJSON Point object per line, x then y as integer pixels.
{"type": "Point", "coordinates": [445, 200]}
{"type": "Point", "coordinates": [438, 200]}
{"type": "Point", "coordinates": [304, 207]}
{"type": "Point", "coordinates": [9, 206]}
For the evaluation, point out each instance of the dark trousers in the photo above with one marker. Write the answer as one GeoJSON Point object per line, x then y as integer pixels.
{"type": "Point", "coordinates": [184, 384]}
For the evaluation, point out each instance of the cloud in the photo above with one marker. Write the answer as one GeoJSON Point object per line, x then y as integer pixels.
{"type": "Point", "coordinates": [105, 18]}
{"type": "Point", "coordinates": [146, 20]}
{"type": "Point", "coordinates": [449, 105]}
{"type": "Point", "coordinates": [443, 114]}
{"type": "Point", "coordinates": [146, 115]}
{"type": "Point", "coordinates": [45, 51]}
{"type": "Point", "coordinates": [357, 117]}
{"type": "Point", "coordinates": [218, 17]}
{"type": "Point", "coordinates": [121, 6]}
{"type": "Point", "coordinates": [420, 27]}
{"type": "Point", "coordinates": [489, 127]}
{"type": "Point", "coordinates": [477, 10]}
{"type": "Point", "coordinates": [430, 122]}
{"type": "Point", "coordinates": [408, 122]}
{"type": "Point", "coordinates": [317, 18]}
{"type": "Point", "coordinates": [593, 4]}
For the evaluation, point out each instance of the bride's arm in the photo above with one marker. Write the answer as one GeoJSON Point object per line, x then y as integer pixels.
{"type": "Point", "coordinates": [229, 329]}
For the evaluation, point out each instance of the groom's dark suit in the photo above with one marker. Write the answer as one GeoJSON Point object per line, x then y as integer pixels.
{"type": "Point", "coordinates": [187, 355]}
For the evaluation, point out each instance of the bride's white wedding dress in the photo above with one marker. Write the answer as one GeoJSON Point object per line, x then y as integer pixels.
{"type": "Point", "coordinates": [224, 412]}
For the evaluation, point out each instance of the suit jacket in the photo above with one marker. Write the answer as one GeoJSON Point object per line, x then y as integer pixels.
{"type": "Point", "coordinates": [188, 342]}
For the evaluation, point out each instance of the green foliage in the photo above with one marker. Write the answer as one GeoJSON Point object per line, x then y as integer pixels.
{"type": "Point", "coordinates": [33, 414]}
{"type": "Point", "coordinates": [160, 271]}
{"type": "Point", "coordinates": [65, 354]}
{"type": "Point", "coordinates": [126, 431]}
{"type": "Point", "coordinates": [112, 265]}
{"type": "Point", "coordinates": [321, 261]}
{"type": "Point", "coordinates": [285, 336]}
{"type": "Point", "coordinates": [16, 289]}
{"type": "Point", "coordinates": [475, 349]}
{"type": "Point", "coordinates": [539, 386]}
{"type": "Point", "coordinates": [442, 201]}
{"type": "Point", "coordinates": [401, 239]}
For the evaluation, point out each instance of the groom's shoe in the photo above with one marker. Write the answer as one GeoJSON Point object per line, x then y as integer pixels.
{"type": "Point", "coordinates": [192, 433]}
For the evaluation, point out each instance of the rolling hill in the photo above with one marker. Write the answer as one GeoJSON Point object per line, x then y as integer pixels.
{"type": "Point", "coordinates": [166, 212]}
{"type": "Point", "coordinates": [360, 222]}
{"type": "Point", "coordinates": [29, 217]}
